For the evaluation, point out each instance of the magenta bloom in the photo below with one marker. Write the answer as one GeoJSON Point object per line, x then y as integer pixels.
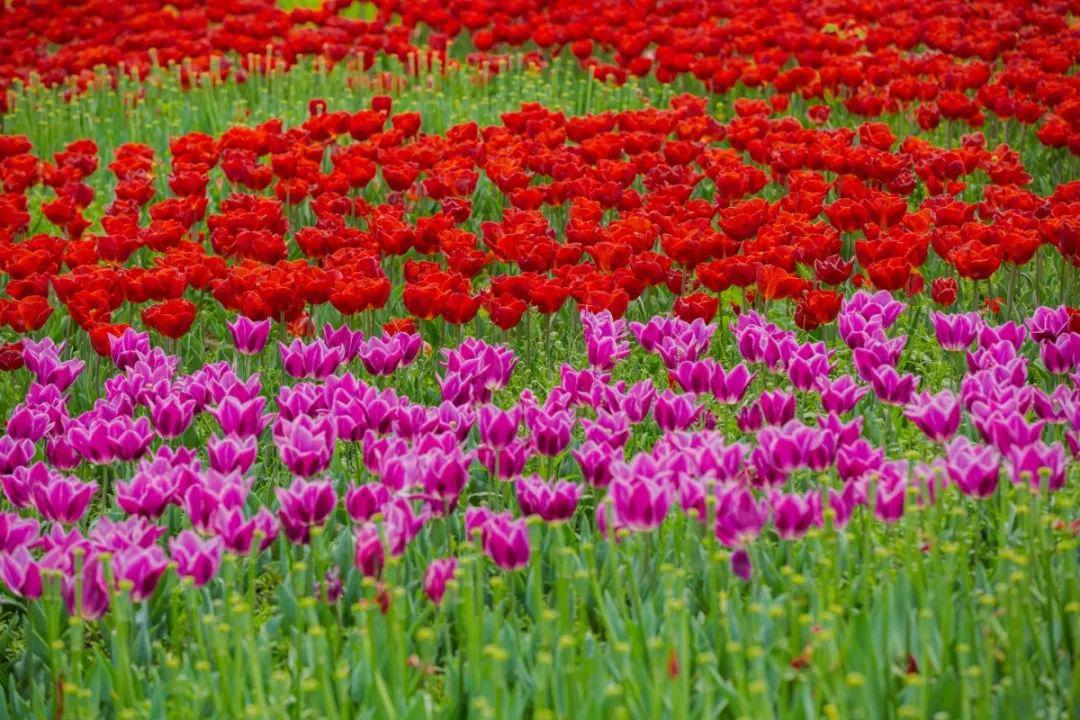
{"type": "Point", "coordinates": [369, 555]}
{"type": "Point", "coordinates": [14, 454]}
{"type": "Point", "coordinates": [675, 412]}
{"type": "Point", "coordinates": [974, 469]}
{"type": "Point", "coordinates": [938, 416]}
{"type": "Point", "coordinates": [1038, 465]}
{"type": "Point", "coordinates": [1060, 356]}
{"type": "Point", "coordinates": [241, 418]}
{"type": "Point", "coordinates": [889, 497]}
{"type": "Point", "coordinates": [304, 505]}
{"type": "Point", "coordinates": [506, 541]}
{"type": "Point", "coordinates": [230, 453]}
{"type": "Point", "coordinates": [249, 336]}
{"type": "Point", "coordinates": [63, 499]}
{"type": "Point", "coordinates": [20, 573]}
{"type": "Point", "coordinates": [777, 407]}
{"type": "Point", "coordinates": [128, 348]}
{"type": "Point", "coordinates": [16, 532]}
{"type": "Point", "coordinates": [147, 494]}
{"type": "Point", "coordinates": [498, 428]}
{"type": "Point", "coordinates": [1046, 324]}
{"type": "Point", "coordinates": [640, 503]}
{"type": "Point", "coordinates": [605, 339]}
{"type": "Point", "coordinates": [794, 514]}
{"type": "Point", "coordinates": [554, 502]}
{"type": "Point", "coordinates": [305, 444]}
{"type": "Point", "coordinates": [142, 567]}
{"type": "Point", "coordinates": [809, 365]}
{"type": "Point", "coordinates": [956, 332]}
{"type": "Point", "coordinates": [595, 460]}
{"type": "Point", "coordinates": [739, 516]}
{"type": "Point", "coordinates": [195, 557]}
{"type": "Point", "coordinates": [550, 430]}
{"type": "Point", "coordinates": [443, 476]}
{"type": "Point", "coordinates": [172, 416]}
{"type": "Point", "coordinates": [892, 387]}
{"type": "Point", "coordinates": [504, 463]}
{"type": "Point", "coordinates": [362, 502]}
{"type": "Point", "coordinates": [438, 574]}
{"type": "Point", "coordinates": [312, 360]}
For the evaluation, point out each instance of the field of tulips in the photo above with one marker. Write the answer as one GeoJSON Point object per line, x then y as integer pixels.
{"type": "Point", "coordinates": [539, 358]}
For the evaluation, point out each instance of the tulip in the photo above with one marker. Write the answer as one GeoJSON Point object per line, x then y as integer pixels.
{"type": "Point", "coordinates": [249, 337]}
{"type": "Point", "coordinates": [128, 348]}
{"type": "Point", "coordinates": [498, 428]}
{"type": "Point", "coordinates": [504, 463]}
{"type": "Point", "coordinates": [506, 541]}
{"type": "Point", "coordinates": [1046, 324]}
{"type": "Point", "coordinates": [142, 568]}
{"type": "Point", "coordinates": [841, 395]}
{"type": "Point", "coordinates": [20, 573]}
{"type": "Point", "coordinates": [739, 517]}
{"type": "Point", "coordinates": [640, 503]}
{"type": "Point", "coordinates": [369, 554]}
{"type": "Point", "coordinates": [363, 502]}
{"type": "Point", "coordinates": [938, 416]}
{"type": "Point", "coordinates": [305, 445]}
{"type": "Point", "coordinates": [956, 332]}
{"type": "Point", "coordinates": [315, 360]}
{"type": "Point", "coordinates": [1038, 465]}
{"type": "Point", "coordinates": [304, 505]}
{"type": "Point", "coordinates": [974, 469]}
{"type": "Point", "coordinates": [892, 387]}
{"type": "Point", "coordinates": [63, 499]}
{"type": "Point", "coordinates": [229, 453]}
{"type": "Point", "coordinates": [196, 558]}
{"type": "Point", "coordinates": [16, 532]}
{"type": "Point", "coordinates": [554, 502]}
{"type": "Point", "coordinates": [794, 514]}
{"type": "Point", "coordinates": [147, 494]}
{"type": "Point", "coordinates": [438, 574]}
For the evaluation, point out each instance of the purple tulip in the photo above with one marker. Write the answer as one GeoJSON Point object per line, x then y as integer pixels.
{"type": "Point", "coordinates": [498, 428]}
{"type": "Point", "coordinates": [740, 564]}
{"type": "Point", "coordinates": [249, 337]}
{"type": "Point", "coordinates": [640, 502]}
{"type": "Point", "coordinates": [93, 600]}
{"type": "Point", "coordinates": [889, 497]}
{"type": "Point", "coordinates": [229, 453]}
{"type": "Point", "coordinates": [594, 459]}
{"type": "Point", "coordinates": [794, 514]}
{"type": "Point", "coordinates": [739, 517]}
{"type": "Point", "coordinates": [675, 412]}
{"type": "Point", "coordinates": [147, 494]}
{"type": "Point", "coordinates": [314, 360]}
{"type": "Point", "coordinates": [369, 554]}
{"type": "Point", "coordinates": [348, 340]}
{"type": "Point", "coordinates": [1009, 332]}
{"type": "Point", "coordinates": [554, 502]}
{"type": "Point", "coordinates": [304, 505]}
{"type": "Point", "coordinates": [1005, 429]}
{"type": "Point", "coordinates": [550, 431]}
{"type": "Point", "coordinates": [891, 387]}
{"type": "Point", "coordinates": [506, 541]}
{"type": "Point", "coordinates": [975, 469]}
{"type": "Point", "coordinates": [443, 476]}
{"type": "Point", "coordinates": [1046, 324]}
{"type": "Point", "coordinates": [195, 557]}
{"type": "Point", "coordinates": [438, 574]}
{"type": "Point", "coordinates": [1060, 356]}
{"type": "Point", "coordinates": [1038, 465]}
{"type": "Point", "coordinates": [858, 458]}
{"type": "Point", "coordinates": [141, 568]}
{"type": "Point", "coordinates": [28, 423]}
{"type": "Point", "coordinates": [845, 433]}
{"type": "Point", "coordinates": [777, 407]}
{"type": "Point", "coordinates": [20, 573]}
{"type": "Point", "coordinates": [14, 453]}
{"type": "Point", "coordinates": [504, 463]}
{"type": "Point", "coordinates": [63, 499]}
{"type": "Point", "coordinates": [305, 445]}
{"type": "Point", "coordinates": [938, 416]}
{"type": "Point", "coordinates": [605, 339]}
{"type": "Point", "coordinates": [956, 332]}
{"type": "Point", "coordinates": [16, 532]}
{"type": "Point", "coordinates": [364, 501]}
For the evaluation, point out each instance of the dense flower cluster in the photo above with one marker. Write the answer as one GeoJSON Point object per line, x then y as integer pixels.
{"type": "Point", "coordinates": [596, 209]}
{"type": "Point", "coordinates": [801, 452]}
{"type": "Point", "coordinates": [949, 60]}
